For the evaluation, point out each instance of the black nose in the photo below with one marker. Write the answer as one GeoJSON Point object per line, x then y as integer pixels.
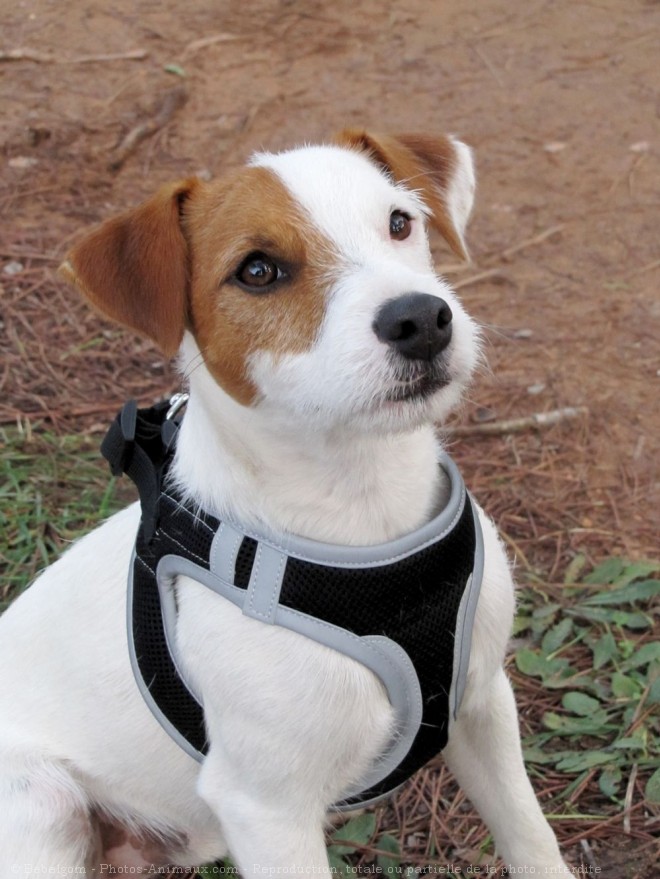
{"type": "Point", "coordinates": [416, 325]}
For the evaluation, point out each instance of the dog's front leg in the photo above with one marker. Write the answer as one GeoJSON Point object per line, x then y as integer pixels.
{"type": "Point", "coordinates": [45, 827]}
{"type": "Point", "coordinates": [485, 755]}
{"type": "Point", "coordinates": [267, 833]}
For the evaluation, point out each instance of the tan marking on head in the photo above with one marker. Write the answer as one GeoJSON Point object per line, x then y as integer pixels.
{"type": "Point", "coordinates": [423, 162]}
{"type": "Point", "coordinates": [169, 264]}
{"type": "Point", "coordinates": [252, 211]}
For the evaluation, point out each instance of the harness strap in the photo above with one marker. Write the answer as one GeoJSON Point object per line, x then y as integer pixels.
{"type": "Point", "coordinates": [137, 444]}
{"type": "Point", "coordinates": [404, 609]}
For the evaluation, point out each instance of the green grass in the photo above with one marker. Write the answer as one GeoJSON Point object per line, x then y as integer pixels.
{"type": "Point", "coordinates": [590, 642]}
{"type": "Point", "coordinates": [52, 490]}
{"type": "Point", "coordinates": [595, 646]}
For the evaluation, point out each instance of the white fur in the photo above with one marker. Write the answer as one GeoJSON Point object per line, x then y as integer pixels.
{"type": "Point", "coordinates": [291, 723]}
{"type": "Point", "coordinates": [460, 192]}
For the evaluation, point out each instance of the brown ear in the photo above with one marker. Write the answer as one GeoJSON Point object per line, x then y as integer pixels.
{"type": "Point", "coordinates": [438, 167]}
{"type": "Point", "coordinates": [134, 268]}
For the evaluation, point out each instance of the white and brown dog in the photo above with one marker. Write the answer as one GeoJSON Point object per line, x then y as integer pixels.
{"type": "Point", "coordinates": [313, 397]}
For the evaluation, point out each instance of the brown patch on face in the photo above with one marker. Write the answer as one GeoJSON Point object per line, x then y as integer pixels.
{"type": "Point", "coordinates": [169, 264]}
{"type": "Point", "coordinates": [428, 163]}
{"type": "Point", "coordinates": [253, 212]}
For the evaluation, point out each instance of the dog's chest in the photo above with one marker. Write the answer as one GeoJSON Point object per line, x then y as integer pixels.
{"type": "Point", "coordinates": [286, 712]}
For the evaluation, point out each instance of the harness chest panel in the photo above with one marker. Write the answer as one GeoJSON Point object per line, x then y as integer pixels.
{"type": "Point", "coordinates": [405, 609]}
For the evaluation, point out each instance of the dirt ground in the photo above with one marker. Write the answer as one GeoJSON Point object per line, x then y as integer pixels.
{"type": "Point", "coordinates": [560, 102]}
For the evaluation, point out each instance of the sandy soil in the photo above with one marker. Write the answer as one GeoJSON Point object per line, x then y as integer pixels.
{"type": "Point", "coordinates": [559, 100]}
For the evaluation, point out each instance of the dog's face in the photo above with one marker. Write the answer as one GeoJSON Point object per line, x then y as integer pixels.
{"type": "Point", "coordinates": [305, 279]}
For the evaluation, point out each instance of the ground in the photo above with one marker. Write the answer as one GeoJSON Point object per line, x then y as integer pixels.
{"type": "Point", "coordinates": [559, 101]}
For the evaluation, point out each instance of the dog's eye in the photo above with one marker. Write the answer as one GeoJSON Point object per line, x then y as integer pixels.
{"type": "Point", "coordinates": [400, 225]}
{"type": "Point", "coordinates": [258, 271]}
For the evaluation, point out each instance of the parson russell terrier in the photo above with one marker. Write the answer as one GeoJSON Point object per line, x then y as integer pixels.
{"type": "Point", "coordinates": [320, 348]}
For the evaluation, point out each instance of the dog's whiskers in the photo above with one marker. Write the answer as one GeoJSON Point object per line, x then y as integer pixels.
{"type": "Point", "coordinates": [193, 364]}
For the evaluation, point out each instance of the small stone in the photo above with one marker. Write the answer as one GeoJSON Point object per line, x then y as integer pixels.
{"type": "Point", "coordinates": [13, 268]}
{"type": "Point", "coordinates": [483, 414]}
{"type": "Point", "coordinates": [523, 334]}
{"type": "Point", "coordinates": [536, 389]}
{"type": "Point", "coordinates": [555, 146]}
{"type": "Point", "coordinates": [37, 134]}
{"type": "Point", "coordinates": [22, 162]}
{"type": "Point", "coordinates": [642, 146]}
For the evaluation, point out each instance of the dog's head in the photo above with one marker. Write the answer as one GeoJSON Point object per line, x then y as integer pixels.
{"type": "Point", "coordinates": [304, 279]}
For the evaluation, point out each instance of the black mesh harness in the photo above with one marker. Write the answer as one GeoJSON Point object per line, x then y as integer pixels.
{"type": "Point", "coordinates": [405, 609]}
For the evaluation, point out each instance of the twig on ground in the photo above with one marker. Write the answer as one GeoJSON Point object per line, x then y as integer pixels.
{"type": "Point", "coordinates": [515, 425]}
{"type": "Point", "coordinates": [204, 42]}
{"type": "Point", "coordinates": [596, 828]}
{"type": "Point", "coordinates": [627, 803]}
{"type": "Point", "coordinates": [503, 256]}
{"type": "Point", "coordinates": [530, 242]}
{"type": "Point", "coordinates": [475, 279]}
{"type": "Point", "coordinates": [647, 268]}
{"type": "Point", "coordinates": [50, 58]}
{"type": "Point", "coordinates": [27, 55]}
{"type": "Point", "coordinates": [134, 55]}
{"type": "Point", "coordinates": [172, 101]}
{"type": "Point", "coordinates": [452, 268]}
{"type": "Point", "coordinates": [488, 64]}
{"type": "Point", "coordinates": [589, 855]}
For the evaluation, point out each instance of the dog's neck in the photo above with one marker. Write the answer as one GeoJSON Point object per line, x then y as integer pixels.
{"type": "Point", "coordinates": [332, 486]}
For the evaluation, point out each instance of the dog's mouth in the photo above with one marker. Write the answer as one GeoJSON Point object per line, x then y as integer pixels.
{"type": "Point", "coordinates": [417, 383]}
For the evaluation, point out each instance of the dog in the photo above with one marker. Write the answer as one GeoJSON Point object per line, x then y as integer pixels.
{"type": "Point", "coordinates": [320, 350]}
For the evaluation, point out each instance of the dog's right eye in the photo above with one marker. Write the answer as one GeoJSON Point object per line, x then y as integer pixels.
{"type": "Point", "coordinates": [258, 271]}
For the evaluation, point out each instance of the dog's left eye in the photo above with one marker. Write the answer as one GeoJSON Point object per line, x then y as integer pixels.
{"type": "Point", "coordinates": [400, 225]}
{"type": "Point", "coordinates": [258, 271]}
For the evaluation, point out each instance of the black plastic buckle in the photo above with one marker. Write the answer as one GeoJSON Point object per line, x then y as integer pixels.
{"type": "Point", "coordinates": [128, 420]}
{"type": "Point", "coordinates": [119, 443]}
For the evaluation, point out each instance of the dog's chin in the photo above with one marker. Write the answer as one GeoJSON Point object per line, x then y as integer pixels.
{"type": "Point", "coordinates": [402, 397]}
{"type": "Point", "coordinates": [414, 383]}
{"type": "Point", "coordinates": [405, 405]}
{"type": "Point", "coordinates": [415, 389]}
{"type": "Point", "coordinates": [425, 403]}
{"type": "Point", "coordinates": [395, 409]}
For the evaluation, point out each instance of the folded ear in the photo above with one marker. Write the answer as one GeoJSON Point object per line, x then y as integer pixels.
{"type": "Point", "coordinates": [134, 268]}
{"type": "Point", "coordinates": [440, 168]}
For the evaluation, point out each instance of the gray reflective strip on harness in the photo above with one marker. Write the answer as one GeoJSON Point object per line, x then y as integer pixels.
{"type": "Point", "coordinates": [380, 654]}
